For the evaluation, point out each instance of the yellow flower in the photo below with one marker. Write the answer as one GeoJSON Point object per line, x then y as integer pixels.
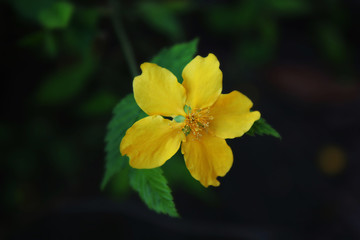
{"type": "Point", "coordinates": [202, 118]}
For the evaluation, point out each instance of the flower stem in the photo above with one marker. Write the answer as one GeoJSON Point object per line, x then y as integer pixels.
{"type": "Point", "coordinates": [122, 37]}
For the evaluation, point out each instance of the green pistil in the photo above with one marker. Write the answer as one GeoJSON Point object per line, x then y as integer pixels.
{"type": "Point", "coordinates": [187, 109]}
{"type": "Point", "coordinates": [179, 119]}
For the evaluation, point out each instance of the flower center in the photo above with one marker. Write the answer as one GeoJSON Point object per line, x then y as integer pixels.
{"type": "Point", "coordinates": [197, 121]}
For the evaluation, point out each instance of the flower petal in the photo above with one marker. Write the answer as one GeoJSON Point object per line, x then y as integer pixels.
{"type": "Point", "coordinates": [157, 91]}
{"type": "Point", "coordinates": [151, 141]}
{"type": "Point", "coordinates": [202, 81]}
{"type": "Point", "coordinates": [207, 158]}
{"type": "Point", "coordinates": [231, 115]}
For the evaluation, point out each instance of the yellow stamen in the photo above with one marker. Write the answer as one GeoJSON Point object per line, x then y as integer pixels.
{"type": "Point", "coordinates": [196, 121]}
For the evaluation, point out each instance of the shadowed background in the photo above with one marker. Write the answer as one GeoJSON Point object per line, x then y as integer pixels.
{"type": "Point", "coordinates": [65, 68]}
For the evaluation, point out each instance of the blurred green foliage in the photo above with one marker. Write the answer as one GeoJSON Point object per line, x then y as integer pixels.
{"type": "Point", "coordinates": [67, 82]}
{"type": "Point", "coordinates": [31, 9]}
{"type": "Point", "coordinates": [161, 18]}
{"type": "Point", "coordinates": [333, 46]}
{"type": "Point", "coordinates": [100, 103]}
{"type": "Point", "coordinates": [289, 7]}
{"type": "Point", "coordinates": [80, 75]}
{"type": "Point", "coordinates": [56, 16]}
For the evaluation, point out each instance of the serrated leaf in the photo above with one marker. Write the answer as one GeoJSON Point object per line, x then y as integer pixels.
{"type": "Point", "coordinates": [125, 114]}
{"type": "Point", "coordinates": [176, 57]}
{"type": "Point", "coordinates": [261, 127]}
{"type": "Point", "coordinates": [153, 190]}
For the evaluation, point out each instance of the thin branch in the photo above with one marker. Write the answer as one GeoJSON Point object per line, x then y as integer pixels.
{"type": "Point", "coordinates": [122, 37]}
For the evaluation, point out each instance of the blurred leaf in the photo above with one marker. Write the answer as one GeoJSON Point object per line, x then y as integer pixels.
{"type": "Point", "coordinates": [32, 40]}
{"type": "Point", "coordinates": [153, 190]}
{"type": "Point", "coordinates": [179, 6]}
{"type": "Point", "coordinates": [63, 157]}
{"type": "Point", "coordinates": [88, 17]}
{"type": "Point", "coordinates": [43, 39]}
{"type": "Point", "coordinates": [56, 16]}
{"type": "Point", "coordinates": [258, 49]}
{"type": "Point", "coordinates": [50, 44]}
{"type": "Point", "coordinates": [161, 18]}
{"type": "Point", "coordinates": [332, 43]}
{"type": "Point", "coordinates": [22, 163]}
{"type": "Point", "coordinates": [80, 35]}
{"type": "Point", "coordinates": [100, 103]}
{"type": "Point", "coordinates": [241, 16]}
{"type": "Point", "coordinates": [13, 195]}
{"type": "Point", "coordinates": [261, 127]}
{"type": "Point", "coordinates": [289, 7]}
{"type": "Point", "coordinates": [125, 114]}
{"type": "Point", "coordinates": [66, 83]}
{"type": "Point", "coordinates": [176, 57]}
{"type": "Point", "coordinates": [31, 8]}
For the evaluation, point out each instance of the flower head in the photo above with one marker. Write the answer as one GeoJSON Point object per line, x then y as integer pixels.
{"type": "Point", "coordinates": [202, 118]}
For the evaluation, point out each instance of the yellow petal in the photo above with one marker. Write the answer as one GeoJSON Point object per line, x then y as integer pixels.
{"type": "Point", "coordinates": [202, 81]}
{"type": "Point", "coordinates": [207, 158]}
{"type": "Point", "coordinates": [157, 91]}
{"type": "Point", "coordinates": [231, 115]}
{"type": "Point", "coordinates": [151, 141]}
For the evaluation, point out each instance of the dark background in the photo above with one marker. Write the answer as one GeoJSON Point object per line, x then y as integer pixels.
{"type": "Point", "coordinates": [297, 60]}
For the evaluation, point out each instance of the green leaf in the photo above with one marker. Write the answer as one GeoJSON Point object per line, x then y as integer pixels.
{"type": "Point", "coordinates": [66, 82]}
{"type": "Point", "coordinates": [261, 127]}
{"type": "Point", "coordinates": [243, 15]}
{"type": "Point", "coordinates": [289, 7]}
{"type": "Point", "coordinates": [101, 103]}
{"type": "Point", "coordinates": [33, 39]}
{"type": "Point", "coordinates": [150, 184]}
{"type": "Point", "coordinates": [42, 39]}
{"type": "Point", "coordinates": [176, 57]}
{"type": "Point", "coordinates": [258, 49]}
{"type": "Point", "coordinates": [161, 18]}
{"type": "Point", "coordinates": [333, 44]}
{"type": "Point", "coordinates": [30, 9]}
{"type": "Point", "coordinates": [119, 187]}
{"type": "Point", "coordinates": [80, 35]}
{"type": "Point", "coordinates": [50, 44]}
{"type": "Point", "coordinates": [125, 114]}
{"type": "Point", "coordinates": [153, 190]}
{"type": "Point", "coordinates": [56, 16]}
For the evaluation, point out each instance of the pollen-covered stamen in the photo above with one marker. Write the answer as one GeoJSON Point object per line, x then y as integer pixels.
{"type": "Point", "coordinates": [197, 121]}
